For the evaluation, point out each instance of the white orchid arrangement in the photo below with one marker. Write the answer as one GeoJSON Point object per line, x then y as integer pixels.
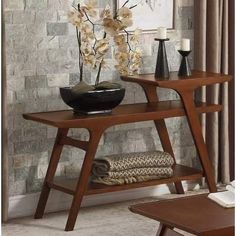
{"type": "Point", "coordinates": [98, 32]}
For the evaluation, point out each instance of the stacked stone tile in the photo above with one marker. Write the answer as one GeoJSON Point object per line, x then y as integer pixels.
{"type": "Point", "coordinates": [42, 55]}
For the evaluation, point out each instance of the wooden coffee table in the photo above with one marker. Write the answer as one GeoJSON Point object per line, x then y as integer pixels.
{"type": "Point", "coordinates": [196, 215]}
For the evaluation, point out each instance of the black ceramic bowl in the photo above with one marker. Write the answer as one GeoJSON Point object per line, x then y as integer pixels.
{"type": "Point", "coordinates": [93, 102]}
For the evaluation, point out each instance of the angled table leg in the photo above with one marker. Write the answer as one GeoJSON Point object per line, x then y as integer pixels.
{"type": "Point", "coordinates": [165, 231]}
{"type": "Point", "coordinates": [151, 95]}
{"type": "Point", "coordinates": [55, 157]}
{"type": "Point", "coordinates": [195, 126]}
{"type": "Point", "coordinates": [83, 181]}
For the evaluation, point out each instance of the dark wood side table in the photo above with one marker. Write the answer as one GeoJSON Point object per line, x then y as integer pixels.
{"type": "Point", "coordinates": [97, 124]}
{"type": "Point", "coordinates": [197, 215]}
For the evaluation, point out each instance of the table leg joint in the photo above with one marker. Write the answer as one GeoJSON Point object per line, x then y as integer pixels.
{"type": "Point", "coordinates": [75, 143]}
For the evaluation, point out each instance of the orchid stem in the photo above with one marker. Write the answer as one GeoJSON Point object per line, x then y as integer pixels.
{"type": "Point", "coordinates": [81, 65]}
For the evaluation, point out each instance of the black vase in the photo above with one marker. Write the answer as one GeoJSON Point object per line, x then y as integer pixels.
{"type": "Point", "coordinates": [162, 67]}
{"type": "Point", "coordinates": [184, 69]}
{"type": "Point", "coordinates": [92, 102]}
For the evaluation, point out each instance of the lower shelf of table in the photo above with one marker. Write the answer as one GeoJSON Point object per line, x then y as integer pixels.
{"type": "Point", "coordinates": [180, 173]}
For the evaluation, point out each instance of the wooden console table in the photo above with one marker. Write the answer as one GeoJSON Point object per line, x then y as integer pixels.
{"type": "Point", "coordinates": [97, 124]}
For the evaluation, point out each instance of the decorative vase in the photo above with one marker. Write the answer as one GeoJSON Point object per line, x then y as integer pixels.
{"type": "Point", "coordinates": [184, 69]}
{"type": "Point", "coordinates": [162, 67]}
{"type": "Point", "coordinates": [92, 102]}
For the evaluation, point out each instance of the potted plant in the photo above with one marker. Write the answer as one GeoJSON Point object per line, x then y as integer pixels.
{"type": "Point", "coordinates": [97, 35]}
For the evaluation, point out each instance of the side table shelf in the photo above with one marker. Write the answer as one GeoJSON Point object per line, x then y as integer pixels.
{"type": "Point", "coordinates": [180, 173]}
{"type": "Point", "coordinates": [120, 115]}
{"type": "Point", "coordinates": [154, 110]}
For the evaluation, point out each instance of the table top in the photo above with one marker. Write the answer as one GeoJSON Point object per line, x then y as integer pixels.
{"type": "Point", "coordinates": [195, 214]}
{"type": "Point", "coordinates": [197, 79]}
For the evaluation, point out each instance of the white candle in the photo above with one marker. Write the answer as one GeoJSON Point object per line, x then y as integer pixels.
{"type": "Point", "coordinates": [161, 33]}
{"type": "Point", "coordinates": [185, 44]}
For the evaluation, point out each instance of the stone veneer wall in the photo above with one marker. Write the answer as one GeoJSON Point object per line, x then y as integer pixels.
{"type": "Point", "coordinates": [42, 56]}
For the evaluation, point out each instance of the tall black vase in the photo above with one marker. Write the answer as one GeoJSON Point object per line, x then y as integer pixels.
{"type": "Point", "coordinates": [162, 67]}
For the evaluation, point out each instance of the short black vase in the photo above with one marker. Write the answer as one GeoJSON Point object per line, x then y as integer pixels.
{"type": "Point", "coordinates": [162, 67]}
{"type": "Point", "coordinates": [184, 69]}
{"type": "Point", "coordinates": [93, 102]}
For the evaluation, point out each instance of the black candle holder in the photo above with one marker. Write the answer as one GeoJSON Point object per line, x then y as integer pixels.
{"type": "Point", "coordinates": [184, 69]}
{"type": "Point", "coordinates": [162, 68]}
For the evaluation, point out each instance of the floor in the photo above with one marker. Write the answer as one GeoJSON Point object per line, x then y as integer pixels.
{"type": "Point", "coordinates": [107, 220]}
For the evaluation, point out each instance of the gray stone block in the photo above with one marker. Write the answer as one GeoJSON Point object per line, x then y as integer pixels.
{"type": "Point", "coordinates": [28, 160]}
{"type": "Point", "coordinates": [11, 97]}
{"type": "Point", "coordinates": [47, 68]}
{"type": "Point", "coordinates": [8, 17]}
{"type": "Point", "coordinates": [62, 15]}
{"type": "Point", "coordinates": [74, 78]}
{"type": "Point", "coordinates": [25, 173]}
{"type": "Point", "coordinates": [54, 29]}
{"type": "Point", "coordinates": [148, 61]}
{"type": "Point", "coordinates": [43, 16]}
{"type": "Point", "coordinates": [20, 56]}
{"type": "Point", "coordinates": [121, 127]}
{"type": "Point", "coordinates": [36, 29]}
{"type": "Point", "coordinates": [33, 146]}
{"type": "Point", "coordinates": [42, 170]}
{"type": "Point", "coordinates": [16, 84]}
{"type": "Point", "coordinates": [15, 135]}
{"type": "Point", "coordinates": [17, 188]}
{"type": "Point", "coordinates": [71, 30]}
{"type": "Point", "coordinates": [173, 56]}
{"type": "Point", "coordinates": [38, 81]}
{"type": "Point", "coordinates": [48, 42]}
{"type": "Point", "coordinates": [73, 54]}
{"type": "Point", "coordinates": [36, 4]}
{"type": "Point", "coordinates": [15, 5]}
{"type": "Point", "coordinates": [58, 80]}
{"type": "Point", "coordinates": [14, 31]}
{"type": "Point", "coordinates": [114, 137]}
{"type": "Point", "coordinates": [24, 17]}
{"type": "Point", "coordinates": [139, 97]}
{"type": "Point", "coordinates": [16, 108]}
{"type": "Point", "coordinates": [66, 154]}
{"type": "Point", "coordinates": [68, 41]}
{"type": "Point", "coordinates": [68, 67]}
{"type": "Point", "coordinates": [51, 132]}
{"type": "Point", "coordinates": [56, 104]}
{"type": "Point", "coordinates": [22, 41]}
{"type": "Point", "coordinates": [106, 149]}
{"type": "Point", "coordinates": [82, 134]}
{"type": "Point", "coordinates": [34, 134]}
{"type": "Point", "coordinates": [19, 122]}
{"type": "Point", "coordinates": [59, 5]}
{"type": "Point", "coordinates": [34, 185]}
{"type": "Point", "coordinates": [10, 148]}
{"type": "Point", "coordinates": [73, 170]}
{"type": "Point", "coordinates": [77, 156]}
{"type": "Point", "coordinates": [185, 155]}
{"type": "Point", "coordinates": [39, 95]}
